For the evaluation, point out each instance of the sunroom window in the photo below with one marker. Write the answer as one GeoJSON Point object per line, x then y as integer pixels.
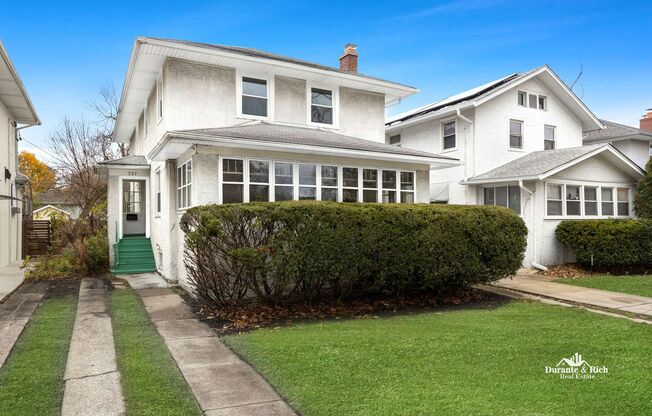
{"type": "Point", "coordinates": [369, 185]}
{"type": "Point", "coordinates": [623, 201]}
{"type": "Point", "coordinates": [590, 200]}
{"type": "Point", "coordinates": [607, 204]}
{"type": "Point", "coordinates": [321, 109]}
{"type": "Point", "coordinates": [503, 196]}
{"type": "Point", "coordinates": [554, 199]}
{"type": "Point", "coordinates": [284, 181]}
{"type": "Point", "coordinates": [258, 181]}
{"type": "Point", "coordinates": [329, 183]}
{"type": "Point", "coordinates": [573, 200]}
{"type": "Point", "coordinates": [254, 97]}
{"type": "Point", "coordinates": [232, 181]}
{"type": "Point", "coordinates": [307, 182]}
{"type": "Point", "coordinates": [407, 187]}
{"type": "Point", "coordinates": [389, 186]}
{"type": "Point", "coordinates": [350, 184]}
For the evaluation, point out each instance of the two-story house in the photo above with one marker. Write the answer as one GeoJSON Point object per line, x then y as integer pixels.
{"type": "Point", "coordinates": [519, 140]}
{"type": "Point", "coordinates": [213, 124]}
{"type": "Point", "coordinates": [16, 112]}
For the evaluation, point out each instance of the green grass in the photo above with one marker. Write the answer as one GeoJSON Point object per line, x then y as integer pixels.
{"type": "Point", "coordinates": [31, 380]}
{"type": "Point", "coordinates": [634, 285]}
{"type": "Point", "coordinates": [463, 362]}
{"type": "Point", "coordinates": [151, 381]}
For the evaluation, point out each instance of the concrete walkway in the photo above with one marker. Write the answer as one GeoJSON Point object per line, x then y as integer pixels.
{"type": "Point", "coordinates": [92, 377]}
{"type": "Point", "coordinates": [222, 383]}
{"type": "Point", "coordinates": [15, 312]}
{"type": "Point", "coordinates": [542, 286]}
{"type": "Point", "coordinates": [11, 276]}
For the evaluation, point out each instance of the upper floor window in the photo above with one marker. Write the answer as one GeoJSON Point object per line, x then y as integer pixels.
{"type": "Point", "coordinates": [533, 100]}
{"type": "Point", "coordinates": [321, 106]}
{"type": "Point", "coordinates": [543, 102]}
{"type": "Point", "coordinates": [184, 185]}
{"type": "Point", "coordinates": [515, 134]}
{"type": "Point", "coordinates": [448, 137]}
{"type": "Point", "coordinates": [548, 137]}
{"type": "Point", "coordinates": [395, 139]}
{"type": "Point", "coordinates": [254, 97]}
{"type": "Point", "coordinates": [159, 98]}
{"type": "Point", "coordinates": [522, 98]}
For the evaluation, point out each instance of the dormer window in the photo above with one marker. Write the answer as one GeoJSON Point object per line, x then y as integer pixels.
{"type": "Point", "coordinates": [321, 108]}
{"type": "Point", "coordinates": [254, 97]}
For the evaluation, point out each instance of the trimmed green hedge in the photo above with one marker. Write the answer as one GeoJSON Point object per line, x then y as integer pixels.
{"type": "Point", "coordinates": [298, 251]}
{"type": "Point", "coordinates": [612, 243]}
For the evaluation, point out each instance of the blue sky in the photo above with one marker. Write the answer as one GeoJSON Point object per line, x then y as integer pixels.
{"type": "Point", "coordinates": [65, 51]}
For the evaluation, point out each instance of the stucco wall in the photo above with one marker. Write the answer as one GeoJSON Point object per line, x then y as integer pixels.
{"type": "Point", "coordinates": [362, 114]}
{"type": "Point", "coordinates": [10, 224]}
{"type": "Point", "coordinates": [637, 150]}
{"type": "Point", "coordinates": [290, 100]}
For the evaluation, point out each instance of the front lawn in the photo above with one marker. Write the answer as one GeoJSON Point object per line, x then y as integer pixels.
{"type": "Point", "coordinates": [460, 362]}
{"type": "Point", "coordinates": [31, 380]}
{"type": "Point", "coordinates": [151, 381]}
{"type": "Point", "coordinates": [634, 285]}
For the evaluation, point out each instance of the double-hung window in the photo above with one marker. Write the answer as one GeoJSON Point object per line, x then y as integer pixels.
{"type": "Point", "coordinates": [184, 185]}
{"type": "Point", "coordinates": [321, 106]}
{"type": "Point", "coordinates": [254, 97]}
{"type": "Point", "coordinates": [623, 201]}
{"type": "Point", "coordinates": [573, 205]}
{"type": "Point", "coordinates": [369, 185]}
{"type": "Point", "coordinates": [389, 186]}
{"type": "Point", "coordinates": [258, 181]}
{"type": "Point", "coordinates": [522, 98]}
{"type": "Point", "coordinates": [590, 200]}
{"type": "Point", "coordinates": [554, 199]}
{"type": "Point", "coordinates": [407, 187]}
{"type": "Point", "coordinates": [607, 201]}
{"type": "Point", "coordinates": [543, 102]}
{"type": "Point", "coordinates": [448, 137]}
{"type": "Point", "coordinates": [232, 181]}
{"type": "Point", "coordinates": [515, 134]}
{"type": "Point", "coordinates": [548, 137]}
{"type": "Point", "coordinates": [158, 191]}
{"type": "Point", "coordinates": [533, 101]}
{"type": "Point", "coordinates": [329, 183]}
{"type": "Point", "coordinates": [283, 181]}
{"type": "Point", "coordinates": [350, 184]}
{"type": "Point", "coordinates": [307, 182]}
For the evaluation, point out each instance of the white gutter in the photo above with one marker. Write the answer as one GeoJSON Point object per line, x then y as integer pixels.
{"type": "Point", "coordinates": [434, 114]}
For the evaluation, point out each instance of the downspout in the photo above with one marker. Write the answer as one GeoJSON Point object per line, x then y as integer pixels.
{"type": "Point", "coordinates": [466, 149]}
{"type": "Point", "coordinates": [535, 264]}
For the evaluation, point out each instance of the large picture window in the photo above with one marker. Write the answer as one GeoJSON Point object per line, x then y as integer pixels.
{"type": "Point", "coordinates": [321, 106]}
{"type": "Point", "coordinates": [184, 185]}
{"type": "Point", "coordinates": [254, 97]}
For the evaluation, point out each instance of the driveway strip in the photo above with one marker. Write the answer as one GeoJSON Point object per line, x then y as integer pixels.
{"type": "Point", "coordinates": [222, 383]}
{"type": "Point", "coordinates": [15, 312]}
{"type": "Point", "coordinates": [92, 377]}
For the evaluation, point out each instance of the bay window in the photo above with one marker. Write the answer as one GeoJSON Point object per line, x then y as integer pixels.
{"type": "Point", "coordinates": [329, 183]}
{"type": "Point", "coordinates": [284, 181]}
{"type": "Point", "coordinates": [307, 182]}
{"type": "Point", "coordinates": [350, 184]}
{"type": "Point", "coordinates": [369, 185]}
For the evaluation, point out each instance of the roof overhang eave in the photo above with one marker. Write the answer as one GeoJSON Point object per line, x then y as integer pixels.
{"type": "Point", "coordinates": [191, 139]}
{"type": "Point", "coordinates": [444, 112]}
{"type": "Point", "coordinates": [34, 121]}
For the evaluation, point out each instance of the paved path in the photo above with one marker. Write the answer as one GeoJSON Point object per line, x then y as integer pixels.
{"type": "Point", "coordinates": [15, 312]}
{"type": "Point", "coordinates": [222, 383]}
{"type": "Point", "coordinates": [11, 276]}
{"type": "Point", "coordinates": [92, 377]}
{"type": "Point", "coordinates": [540, 285]}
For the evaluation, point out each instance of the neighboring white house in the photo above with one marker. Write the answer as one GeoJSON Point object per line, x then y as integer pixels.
{"type": "Point", "coordinates": [633, 142]}
{"type": "Point", "coordinates": [16, 112]}
{"type": "Point", "coordinates": [519, 140]}
{"type": "Point", "coordinates": [211, 124]}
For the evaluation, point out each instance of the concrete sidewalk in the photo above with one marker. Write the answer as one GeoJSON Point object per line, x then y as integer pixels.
{"type": "Point", "coordinates": [92, 377]}
{"type": "Point", "coordinates": [542, 286]}
{"type": "Point", "coordinates": [11, 276]}
{"type": "Point", "coordinates": [222, 383]}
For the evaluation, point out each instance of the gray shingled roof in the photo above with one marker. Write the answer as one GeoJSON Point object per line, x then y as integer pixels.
{"type": "Point", "coordinates": [535, 163]}
{"type": "Point", "coordinates": [135, 160]}
{"type": "Point", "coordinates": [274, 133]}
{"type": "Point", "coordinates": [256, 53]}
{"type": "Point", "coordinates": [614, 131]}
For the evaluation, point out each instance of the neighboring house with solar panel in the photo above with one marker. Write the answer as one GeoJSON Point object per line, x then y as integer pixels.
{"type": "Point", "coordinates": [633, 142]}
{"type": "Point", "coordinates": [212, 124]}
{"type": "Point", "coordinates": [16, 113]}
{"type": "Point", "coordinates": [520, 143]}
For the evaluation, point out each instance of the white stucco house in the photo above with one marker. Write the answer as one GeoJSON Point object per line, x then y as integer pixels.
{"type": "Point", "coordinates": [520, 142]}
{"type": "Point", "coordinates": [16, 113]}
{"type": "Point", "coordinates": [212, 124]}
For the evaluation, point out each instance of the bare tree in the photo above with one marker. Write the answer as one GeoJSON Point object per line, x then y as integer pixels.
{"type": "Point", "coordinates": [77, 145]}
{"type": "Point", "coordinates": [106, 108]}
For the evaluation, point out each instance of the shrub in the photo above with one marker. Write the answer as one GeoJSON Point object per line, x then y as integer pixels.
{"type": "Point", "coordinates": [643, 199]}
{"type": "Point", "coordinates": [608, 243]}
{"type": "Point", "coordinates": [304, 251]}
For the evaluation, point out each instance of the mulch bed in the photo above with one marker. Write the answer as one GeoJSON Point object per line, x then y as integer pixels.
{"type": "Point", "coordinates": [247, 317]}
{"type": "Point", "coordinates": [574, 271]}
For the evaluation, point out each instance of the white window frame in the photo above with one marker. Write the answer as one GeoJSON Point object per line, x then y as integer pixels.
{"type": "Point", "coordinates": [300, 185]}
{"type": "Point", "coordinates": [507, 186]}
{"type": "Point", "coordinates": [358, 188]}
{"type": "Point", "coordinates": [247, 177]}
{"type": "Point", "coordinates": [509, 135]}
{"type": "Point", "coordinates": [270, 95]}
{"type": "Point", "coordinates": [545, 102]}
{"type": "Point", "coordinates": [554, 136]}
{"type": "Point", "coordinates": [321, 186]}
{"type": "Point", "coordinates": [448, 121]}
{"type": "Point", "coordinates": [378, 184]}
{"type": "Point", "coordinates": [14, 194]}
{"type": "Point", "coordinates": [582, 184]}
{"type": "Point", "coordinates": [336, 104]}
{"type": "Point", "coordinates": [407, 191]}
{"type": "Point", "coordinates": [295, 179]}
{"type": "Point", "coordinates": [244, 183]}
{"type": "Point", "coordinates": [396, 189]}
{"type": "Point", "coordinates": [158, 197]}
{"type": "Point", "coordinates": [180, 187]}
{"type": "Point", "coordinates": [159, 98]}
{"type": "Point", "coordinates": [520, 94]}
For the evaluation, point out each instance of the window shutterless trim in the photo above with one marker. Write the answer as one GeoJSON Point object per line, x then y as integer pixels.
{"type": "Point", "coordinates": [599, 187]}
{"type": "Point", "coordinates": [239, 92]}
{"type": "Point", "coordinates": [335, 90]}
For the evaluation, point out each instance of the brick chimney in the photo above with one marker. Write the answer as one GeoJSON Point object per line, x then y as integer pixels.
{"type": "Point", "coordinates": [349, 60]}
{"type": "Point", "coordinates": [646, 120]}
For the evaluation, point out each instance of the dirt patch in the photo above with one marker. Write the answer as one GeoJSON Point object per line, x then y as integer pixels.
{"type": "Point", "coordinates": [252, 316]}
{"type": "Point", "coordinates": [574, 271]}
